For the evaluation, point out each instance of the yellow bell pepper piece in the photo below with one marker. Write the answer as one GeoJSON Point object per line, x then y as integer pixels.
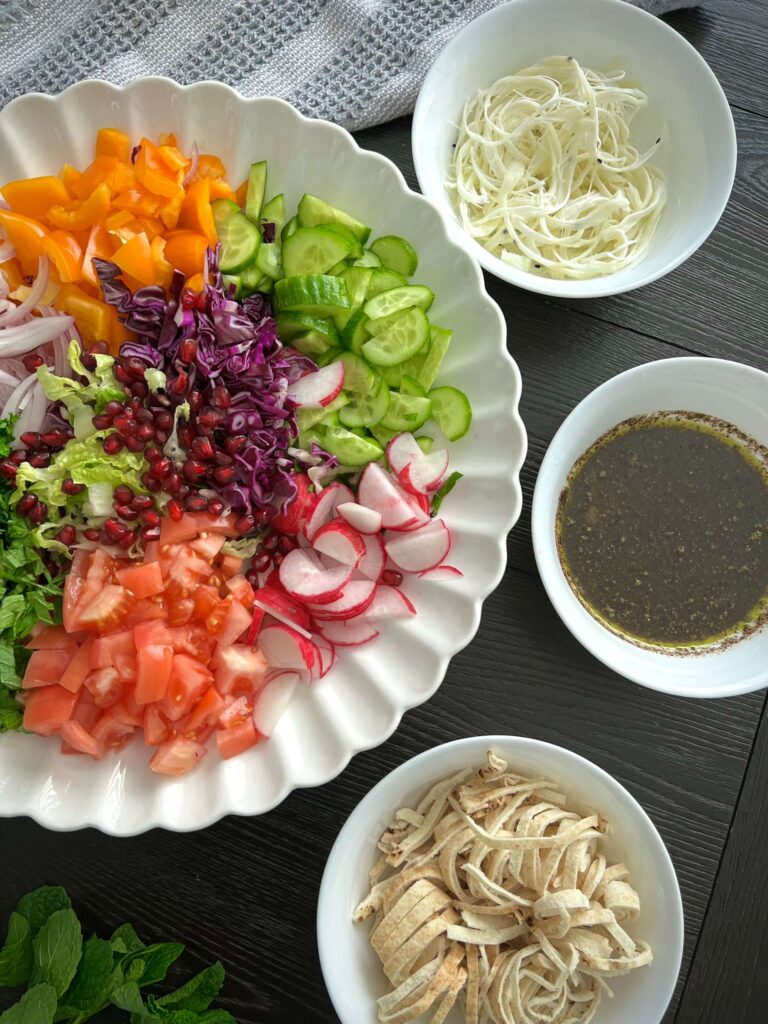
{"type": "Point", "coordinates": [34, 197]}
{"type": "Point", "coordinates": [113, 142]}
{"type": "Point", "coordinates": [82, 215]}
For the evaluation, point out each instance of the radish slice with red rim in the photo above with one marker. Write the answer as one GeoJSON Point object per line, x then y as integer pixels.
{"type": "Point", "coordinates": [351, 633]}
{"type": "Point", "coordinates": [273, 699]}
{"type": "Point", "coordinates": [424, 474]}
{"type": "Point", "coordinates": [389, 603]}
{"type": "Point", "coordinates": [421, 549]}
{"type": "Point", "coordinates": [319, 388]}
{"type": "Point", "coordinates": [374, 559]}
{"type": "Point", "coordinates": [327, 654]}
{"type": "Point", "coordinates": [379, 491]}
{"type": "Point", "coordinates": [357, 595]}
{"type": "Point", "coordinates": [325, 506]}
{"type": "Point", "coordinates": [441, 572]}
{"type": "Point", "coordinates": [285, 647]}
{"type": "Point", "coordinates": [284, 608]}
{"type": "Point", "coordinates": [340, 541]}
{"type": "Point", "coordinates": [305, 578]}
{"type": "Point", "coordinates": [401, 450]}
{"type": "Point", "coordinates": [365, 520]}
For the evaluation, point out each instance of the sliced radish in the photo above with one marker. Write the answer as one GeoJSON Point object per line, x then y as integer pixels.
{"type": "Point", "coordinates": [425, 474]}
{"type": "Point", "coordinates": [327, 654]}
{"type": "Point", "coordinates": [319, 388]}
{"type": "Point", "coordinates": [441, 572]}
{"type": "Point", "coordinates": [291, 519]}
{"type": "Point", "coordinates": [351, 633]}
{"type": "Point", "coordinates": [357, 595]}
{"type": "Point", "coordinates": [274, 699]}
{"type": "Point", "coordinates": [325, 506]}
{"type": "Point", "coordinates": [375, 557]}
{"type": "Point", "coordinates": [275, 602]}
{"type": "Point", "coordinates": [285, 647]}
{"type": "Point", "coordinates": [340, 541]}
{"type": "Point", "coordinates": [304, 576]}
{"type": "Point", "coordinates": [366, 520]}
{"type": "Point", "coordinates": [388, 603]}
{"type": "Point", "coordinates": [379, 491]}
{"type": "Point", "coordinates": [420, 549]}
{"type": "Point", "coordinates": [401, 450]}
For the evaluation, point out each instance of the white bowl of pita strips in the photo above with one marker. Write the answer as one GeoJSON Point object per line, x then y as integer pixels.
{"type": "Point", "coordinates": [499, 879]}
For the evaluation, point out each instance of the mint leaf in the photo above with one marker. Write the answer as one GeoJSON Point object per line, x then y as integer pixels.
{"type": "Point", "coordinates": [156, 959]}
{"type": "Point", "coordinates": [93, 977]}
{"type": "Point", "coordinates": [57, 949]}
{"type": "Point", "coordinates": [36, 1006]}
{"type": "Point", "coordinates": [11, 713]}
{"type": "Point", "coordinates": [128, 997]}
{"type": "Point", "coordinates": [444, 491]}
{"type": "Point", "coordinates": [38, 905]}
{"type": "Point", "coordinates": [216, 1017]}
{"type": "Point", "coordinates": [127, 935]}
{"type": "Point", "coordinates": [198, 993]}
{"type": "Point", "coordinates": [16, 954]}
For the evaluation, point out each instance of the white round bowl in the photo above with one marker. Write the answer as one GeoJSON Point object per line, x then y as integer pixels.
{"type": "Point", "coordinates": [687, 108]}
{"type": "Point", "coordinates": [352, 971]}
{"type": "Point", "coordinates": [360, 703]}
{"type": "Point", "coordinates": [716, 387]}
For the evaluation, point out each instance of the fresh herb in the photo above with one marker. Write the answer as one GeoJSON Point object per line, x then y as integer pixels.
{"type": "Point", "coordinates": [71, 981]}
{"type": "Point", "coordinates": [444, 491]}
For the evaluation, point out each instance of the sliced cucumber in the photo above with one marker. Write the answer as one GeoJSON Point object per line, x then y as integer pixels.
{"type": "Point", "coordinates": [383, 323]}
{"type": "Point", "coordinates": [440, 339]}
{"type": "Point", "coordinates": [273, 212]}
{"type": "Point", "coordinates": [356, 280]}
{"type": "Point", "coordinates": [313, 251]}
{"type": "Point", "coordinates": [331, 356]}
{"type": "Point", "coordinates": [257, 186]}
{"type": "Point", "coordinates": [368, 259]}
{"type": "Point", "coordinates": [451, 411]}
{"type": "Point", "coordinates": [308, 418]}
{"type": "Point", "coordinates": [313, 211]}
{"type": "Point", "coordinates": [290, 227]}
{"type": "Point", "coordinates": [349, 448]}
{"type": "Point", "coordinates": [395, 299]}
{"type": "Point", "coordinates": [367, 410]}
{"type": "Point", "coordinates": [319, 294]}
{"type": "Point", "coordinates": [356, 246]}
{"type": "Point", "coordinates": [403, 339]}
{"type": "Point", "coordinates": [355, 333]}
{"type": "Point", "coordinates": [240, 238]}
{"type": "Point", "coordinates": [312, 344]}
{"type": "Point", "coordinates": [269, 261]}
{"type": "Point", "coordinates": [290, 323]}
{"type": "Point", "coordinates": [425, 442]}
{"type": "Point", "coordinates": [338, 268]}
{"type": "Point", "coordinates": [406, 412]}
{"type": "Point", "coordinates": [396, 253]}
{"type": "Point", "coordinates": [409, 386]}
{"type": "Point", "coordinates": [250, 278]}
{"type": "Point", "coordinates": [383, 435]}
{"type": "Point", "coordinates": [359, 378]}
{"type": "Point", "coordinates": [383, 281]}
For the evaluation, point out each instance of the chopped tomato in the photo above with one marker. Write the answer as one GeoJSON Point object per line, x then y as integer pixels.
{"type": "Point", "coordinates": [208, 544]}
{"type": "Point", "coordinates": [239, 668]}
{"type": "Point", "coordinates": [78, 738]}
{"type": "Point", "coordinates": [174, 531]}
{"type": "Point", "coordinates": [151, 633]}
{"type": "Point", "coordinates": [156, 727]}
{"type": "Point", "coordinates": [51, 638]}
{"type": "Point", "coordinates": [110, 733]}
{"type": "Point", "coordinates": [142, 580]}
{"type": "Point", "coordinates": [106, 648]}
{"type": "Point", "coordinates": [154, 672]}
{"type": "Point", "coordinates": [177, 757]}
{"type": "Point", "coordinates": [188, 568]}
{"type": "Point", "coordinates": [189, 680]}
{"type": "Point", "coordinates": [47, 708]}
{"type": "Point", "coordinates": [229, 565]}
{"type": "Point", "coordinates": [240, 589]}
{"type": "Point", "coordinates": [146, 610]}
{"type": "Point", "coordinates": [106, 610]}
{"type": "Point", "coordinates": [46, 667]}
{"type": "Point", "coordinates": [151, 551]}
{"type": "Point", "coordinates": [206, 598]}
{"type": "Point", "coordinates": [194, 640]}
{"type": "Point", "coordinates": [235, 711]}
{"type": "Point", "coordinates": [105, 686]}
{"type": "Point", "coordinates": [236, 622]}
{"type": "Point", "coordinates": [238, 739]}
{"type": "Point", "coordinates": [77, 670]}
{"type": "Point", "coordinates": [181, 611]}
{"type": "Point", "coordinates": [219, 524]}
{"type": "Point", "coordinates": [127, 714]}
{"type": "Point", "coordinates": [86, 712]}
{"type": "Point", "coordinates": [126, 667]}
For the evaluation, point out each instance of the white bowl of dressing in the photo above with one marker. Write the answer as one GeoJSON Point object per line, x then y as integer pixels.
{"type": "Point", "coordinates": [718, 388]}
{"type": "Point", "coordinates": [686, 107]}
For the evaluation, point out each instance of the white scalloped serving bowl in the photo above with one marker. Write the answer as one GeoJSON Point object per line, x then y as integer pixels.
{"type": "Point", "coordinates": [360, 703]}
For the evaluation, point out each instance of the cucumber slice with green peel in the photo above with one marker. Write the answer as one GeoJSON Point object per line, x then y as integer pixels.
{"type": "Point", "coordinates": [410, 368]}
{"type": "Point", "coordinates": [356, 246]}
{"type": "Point", "coordinates": [306, 419]}
{"type": "Point", "coordinates": [425, 442]}
{"type": "Point", "coordinates": [406, 412]}
{"type": "Point", "coordinates": [265, 285]}
{"type": "Point", "coordinates": [313, 211]}
{"type": "Point", "coordinates": [356, 280]}
{"type": "Point", "coordinates": [290, 226]}
{"type": "Point", "coordinates": [290, 323]}
{"type": "Point", "coordinates": [384, 281]}
{"type": "Point", "coordinates": [355, 333]}
{"type": "Point", "coordinates": [273, 212]}
{"type": "Point", "coordinates": [396, 253]}
{"type": "Point", "coordinates": [351, 449]}
{"type": "Point", "coordinates": [410, 386]}
{"type": "Point", "coordinates": [395, 299]}
{"type": "Point", "coordinates": [368, 259]}
{"type": "Point", "coordinates": [239, 237]}
{"type": "Point", "coordinates": [228, 280]}
{"type": "Point", "coordinates": [366, 410]}
{"type": "Point", "coordinates": [269, 260]}
{"type": "Point", "coordinates": [338, 268]}
{"type": "Point", "coordinates": [257, 186]}
{"type": "Point", "coordinates": [451, 411]}
{"type": "Point", "coordinates": [319, 294]}
{"type": "Point", "coordinates": [331, 356]}
{"type": "Point", "coordinates": [359, 378]}
{"type": "Point", "coordinates": [383, 435]}
{"type": "Point", "coordinates": [312, 344]}
{"type": "Point", "coordinates": [383, 323]}
{"type": "Point", "coordinates": [313, 251]}
{"type": "Point", "coordinates": [440, 340]}
{"type": "Point", "coordinates": [403, 339]}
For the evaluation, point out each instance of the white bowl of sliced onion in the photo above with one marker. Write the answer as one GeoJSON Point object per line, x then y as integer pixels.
{"type": "Point", "coordinates": [576, 149]}
{"type": "Point", "coordinates": [497, 877]}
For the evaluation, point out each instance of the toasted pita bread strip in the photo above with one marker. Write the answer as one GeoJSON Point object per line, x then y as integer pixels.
{"type": "Point", "coordinates": [389, 887]}
{"type": "Point", "coordinates": [472, 996]}
{"type": "Point", "coordinates": [414, 908]}
{"type": "Point", "coordinates": [589, 943]}
{"type": "Point", "coordinates": [410, 817]}
{"type": "Point", "coordinates": [386, 1004]}
{"type": "Point", "coordinates": [594, 876]}
{"type": "Point", "coordinates": [397, 966]}
{"type": "Point", "coordinates": [476, 917]}
{"type": "Point", "coordinates": [620, 964]}
{"type": "Point", "coordinates": [431, 808]}
{"type": "Point", "coordinates": [625, 942]}
{"type": "Point", "coordinates": [450, 997]}
{"type": "Point", "coordinates": [621, 899]}
{"type": "Point", "coordinates": [486, 937]}
{"type": "Point", "coordinates": [420, 1002]}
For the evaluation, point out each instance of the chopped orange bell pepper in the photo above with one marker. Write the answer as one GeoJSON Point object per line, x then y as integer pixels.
{"type": "Point", "coordinates": [186, 252]}
{"type": "Point", "coordinates": [99, 246]}
{"type": "Point", "coordinates": [172, 209]}
{"type": "Point", "coordinates": [84, 214]}
{"type": "Point", "coordinates": [209, 166]}
{"type": "Point", "coordinates": [66, 255]}
{"type": "Point", "coordinates": [94, 317]}
{"type": "Point", "coordinates": [121, 177]}
{"type": "Point", "coordinates": [173, 158]}
{"type": "Point", "coordinates": [35, 196]}
{"type": "Point", "coordinates": [196, 212]}
{"type": "Point", "coordinates": [135, 259]}
{"type": "Point", "coordinates": [154, 174]}
{"type": "Point", "coordinates": [137, 200]}
{"type": "Point", "coordinates": [195, 283]}
{"type": "Point", "coordinates": [151, 226]}
{"type": "Point", "coordinates": [118, 219]}
{"type": "Point", "coordinates": [168, 139]}
{"type": "Point", "coordinates": [12, 272]}
{"type": "Point", "coordinates": [69, 176]}
{"type": "Point", "coordinates": [221, 189]}
{"type": "Point", "coordinates": [94, 175]}
{"type": "Point", "coordinates": [240, 194]}
{"type": "Point", "coordinates": [163, 268]}
{"type": "Point", "coordinates": [113, 142]}
{"type": "Point", "coordinates": [26, 236]}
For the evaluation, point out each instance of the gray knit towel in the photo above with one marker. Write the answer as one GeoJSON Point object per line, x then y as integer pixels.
{"type": "Point", "coordinates": [356, 62]}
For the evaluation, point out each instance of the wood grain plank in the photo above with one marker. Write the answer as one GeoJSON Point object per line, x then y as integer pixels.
{"type": "Point", "coordinates": [729, 979]}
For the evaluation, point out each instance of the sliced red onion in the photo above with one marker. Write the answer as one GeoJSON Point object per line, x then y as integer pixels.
{"type": "Point", "coordinates": [7, 252]}
{"type": "Point", "coordinates": [18, 394]}
{"type": "Point", "coordinates": [195, 155]}
{"type": "Point", "coordinates": [8, 384]}
{"type": "Point", "coordinates": [16, 341]}
{"type": "Point", "coordinates": [35, 407]}
{"type": "Point", "coordinates": [36, 292]}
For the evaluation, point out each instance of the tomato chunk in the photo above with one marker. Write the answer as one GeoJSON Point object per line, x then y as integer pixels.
{"type": "Point", "coordinates": [236, 622]}
{"type": "Point", "coordinates": [51, 638]}
{"type": "Point", "coordinates": [154, 662]}
{"type": "Point", "coordinates": [106, 648]}
{"type": "Point", "coordinates": [142, 580]}
{"type": "Point", "coordinates": [78, 738]}
{"type": "Point", "coordinates": [105, 610]}
{"type": "Point", "coordinates": [189, 680]}
{"type": "Point", "coordinates": [105, 686]}
{"type": "Point", "coordinates": [46, 667]}
{"type": "Point", "coordinates": [47, 708]}
{"type": "Point", "coordinates": [205, 712]}
{"type": "Point", "coordinates": [238, 739]}
{"type": "Point", "coordinates": [177, 757]}
{"type": "Point", "coordinates": [77, 670]}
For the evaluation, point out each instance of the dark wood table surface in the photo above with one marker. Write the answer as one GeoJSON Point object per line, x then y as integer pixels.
{"type": "Point", "coordinates": [245, 890]}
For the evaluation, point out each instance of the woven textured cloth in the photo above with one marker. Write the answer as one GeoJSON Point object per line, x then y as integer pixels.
{"type": "Point", "coordinates": [355, 62]}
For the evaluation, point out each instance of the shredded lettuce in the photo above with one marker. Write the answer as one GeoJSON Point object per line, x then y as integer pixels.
{"type": "Point", "coordinates": [82, 400]}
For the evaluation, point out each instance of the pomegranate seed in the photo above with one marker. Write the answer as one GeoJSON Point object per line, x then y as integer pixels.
{"type": "Point", "coordinates": [91, 533]}
{"type": "Point", "coordinates": [220, 397]}
{"type": "Point", "coordinates": [153, 454]}
{"type": "Point", "coordinates": [102, 422]}
{"type": "Point", "coordinates": [195, 503]}
{"type": "Point", "coordinates": [195, 400]}
{"type": "Point", "coordinates": [253, 577]}
{"type": "Point", "coordinates": [88, 361]}
{"type": "Point", "coordinates": [186, 435]}
{"type": "Point", "coordinates": [143, 415]}
{"type": "Point", "coordinates": [127, 540]}
{"type": "Point", "coordinates": [130, 515]}
{"type": "Point", "coordinates": [113, 444]}
{"type": "Point", "coordinates": [121, 375]}
{"type": "Point", "coordinates": [244, 524]}
{"type": "Point", "coordinates": [160, 468]}
{"type": "Point", "coordinates": [134, 444]}
{"type": "Point", "coordinates": [174, 509]}
{"type": "Point", "coordinates": [150, 518]}
{"type": "Point", "coordinates": [123, 494]}
{"type": "Point", "coordinates": [193, 470]}
{"type": "Point", "coordinates": [163, 420]}
{"type": "Point", "coordinates": [40, 460]}
{"type": "Point", "coordinates": [261, 516]}
{"type": "Point", "coordinates": [187, 349]}
{"type": "Point", "coordinates": [173, 483]}
{"type": "Point", "coordinates": [142, 502]}
{"type": "Point", "coordinates": [134, 367]}
{"type": "Point", "coordinates": [222, 459]}
{"type": "Point", "coordinates": [139, 389]}
{"type": "Point", "coordinates": [101, 347]}
{"type": "Point", "coordinates": [224, 474]}
{"type": "Point", "coordinates": [39, 513]}
{"type": "Point", "coordinates": [202, 447]}
{"type": "Point", "coordinates": [30, 439]}
{"type": "Point", "coordinates": [26, 504]}
{"type": "Point", "coordinates": [149, 533]}
{"type": "Point", "coordinates": [210, 417]}
{"type": "Point", "coordinates": [235, 443]}
{"type": "Point", "coordinates": [161, 436]}
{"type": "Point", "coordinates": [277, 558]}
{"type": "Point", "coordinates": [114, 528]}
{"type": "Point", "coordinates": [31, 362]}
{"type": "Point", "coordinates": [261, 561]}
{"type": "Point", "coordinates": [123, 423]}
{"type": "Point", "coordinates": [18, 456]}
{"type": "Point", "coordinates": [215, 506]}
{"type": "Point", "coordinates": [69, 486]}
{"type": "Point", "coordinates": [67, 535]}
{"type": "Point", "coordinates": [112, 408]}
{"type": "Point", "coordinates": [188, 298]}
{"type": "Point", "coordinates": [54, 438]}
{"type": "Point", "coordinates": [152, 484]}
{"type": "Point", "coordinates": [104, 538]}
{"type": "Point", "coordinates": [271, 542]}
{"type": "Point", "coordinates": [180, 384]}
{"type": "Point", "coordinates": [182, 491]}
{"type": "Point", "coordinates": [286, 544]}
{"type": "Point", "coordinates": [391, 577]}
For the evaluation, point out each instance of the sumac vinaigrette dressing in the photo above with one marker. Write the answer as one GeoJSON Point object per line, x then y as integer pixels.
{"type": "Point", "coordinates": [662, 530]}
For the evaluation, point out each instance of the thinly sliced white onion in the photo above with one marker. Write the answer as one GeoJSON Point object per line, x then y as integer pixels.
{"type": "Point", "coordinates": [35, 407]}
{"type": "Point", "coordinates": [8, 384]}
{"type": "Point", "coordinates": [16, 341]}
{"type": "Point", "coordinates": [7, 252]}
{"type": "Point", "coordinates": [195, 155]}
{"type": "Point", "coordinates": [18, 396]}
{"type": "Point", "coordinates": [16, 314]}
